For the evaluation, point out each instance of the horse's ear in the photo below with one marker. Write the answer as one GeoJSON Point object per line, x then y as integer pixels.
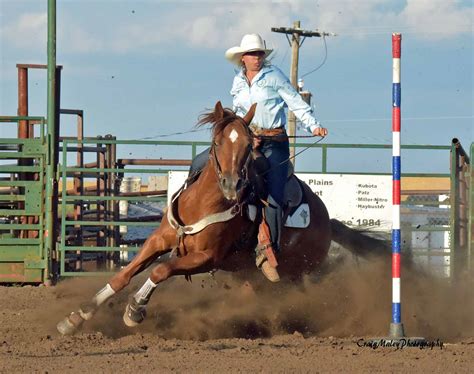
{"type": "Point", "coordinates": [249, 116]}
{"type": "Point", "coordinates": [219, 111]}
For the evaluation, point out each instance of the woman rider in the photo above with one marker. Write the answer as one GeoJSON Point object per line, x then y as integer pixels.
{"type": "Point", "coordinates": [260, 82]}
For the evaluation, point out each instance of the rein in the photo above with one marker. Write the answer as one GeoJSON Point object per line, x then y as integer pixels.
{"type": "Point", "coordinates": [296, 154]}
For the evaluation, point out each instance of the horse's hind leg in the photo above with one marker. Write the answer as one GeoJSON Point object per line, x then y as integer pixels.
{"type": "Point", "coordinates": [192, 263]}
{"type": "Point", "coordinates": [155, 246]}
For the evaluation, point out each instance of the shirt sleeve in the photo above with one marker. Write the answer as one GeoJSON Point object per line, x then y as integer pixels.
{"type": "Point", "coordinates": [296, 103]}
{"type": "Point", "coordinates": [233, 92]}
{"type": "Point", "coordinates": [236, 93]}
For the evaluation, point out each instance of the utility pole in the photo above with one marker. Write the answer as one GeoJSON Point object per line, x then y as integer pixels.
{"type": "Point", "coordinates": [298, 36]}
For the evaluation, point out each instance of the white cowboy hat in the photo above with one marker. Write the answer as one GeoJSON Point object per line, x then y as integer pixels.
{"type": "Point", "coordinates": [249, 43]}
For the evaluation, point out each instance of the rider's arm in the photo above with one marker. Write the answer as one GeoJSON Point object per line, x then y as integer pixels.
{"type": "Point", "coordinates": [296, 103]}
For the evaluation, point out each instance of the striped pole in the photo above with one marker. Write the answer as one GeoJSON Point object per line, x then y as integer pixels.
{"type": "Point", "coordinates": [396, 327]}
{"type": "Point", "coordinates": [397, 334]}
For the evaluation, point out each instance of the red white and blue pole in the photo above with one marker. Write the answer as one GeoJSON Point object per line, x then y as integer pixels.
{"type": "Point", "coordinates": [396, 327]}
{"type": "Point", "coordinates": [397, 334]}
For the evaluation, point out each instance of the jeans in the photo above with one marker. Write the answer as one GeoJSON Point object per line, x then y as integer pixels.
{"type": "Point", "coordinates": [277, 154]}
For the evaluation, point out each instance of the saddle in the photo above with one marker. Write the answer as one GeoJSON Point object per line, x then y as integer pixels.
{"type": "Point", "coordinates": [295, 206]}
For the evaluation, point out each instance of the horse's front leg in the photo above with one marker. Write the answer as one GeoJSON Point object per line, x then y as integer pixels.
{"type": "Point", "coordinates": [192, 263]}
{"type": "Point", "coordinates": [159, 243]}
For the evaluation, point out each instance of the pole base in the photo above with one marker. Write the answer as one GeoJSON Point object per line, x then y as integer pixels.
{"type": "Point", "coordinates": [397, 339]}
{"type": "Point", "coordinates": [396, 331]}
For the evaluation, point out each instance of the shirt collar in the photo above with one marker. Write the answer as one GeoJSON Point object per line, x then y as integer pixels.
{"type": "Point", "coordinates": [264, 70]}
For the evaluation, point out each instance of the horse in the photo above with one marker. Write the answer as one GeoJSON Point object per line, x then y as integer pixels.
{"type": "Point", "coordinates": [205, 225]}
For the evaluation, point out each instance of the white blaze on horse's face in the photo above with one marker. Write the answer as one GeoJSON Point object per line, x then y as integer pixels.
{"type": "Point", "coordinates": [232, 154]}
{"type": "Point", "coordinates": [233, 136]}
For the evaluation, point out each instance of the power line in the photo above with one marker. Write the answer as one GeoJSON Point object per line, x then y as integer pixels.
{"type": "Point", "coordinates": [356, 31]}
{"type": "Point", "coordinates": [322, 63]}
{"type": "Point", "coordinates": [437, 118]}
{"type": "Point", "coordinates": [172, 134]}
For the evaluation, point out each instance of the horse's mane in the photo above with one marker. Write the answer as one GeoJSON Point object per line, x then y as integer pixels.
{"type": "Point", "coordinates": [218, 125]}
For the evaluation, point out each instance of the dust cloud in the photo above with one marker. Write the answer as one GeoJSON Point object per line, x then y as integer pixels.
{"type": "Point", "coordinates": [348, 298]}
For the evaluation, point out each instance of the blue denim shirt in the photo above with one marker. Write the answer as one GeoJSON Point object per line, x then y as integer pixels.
{"type": "Point", "coordinates": [273, 93]}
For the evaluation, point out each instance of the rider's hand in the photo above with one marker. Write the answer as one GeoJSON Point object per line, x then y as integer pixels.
{"type": "Point", "coordinates": [320, 131]}
{"type": "Point", "coordinates": [256, 142]}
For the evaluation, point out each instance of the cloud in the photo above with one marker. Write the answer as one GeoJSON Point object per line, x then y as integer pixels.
{"type": "Point", "coordinates": [28, 31]}
{"type": "Point", "coordinates": [72, 37]}
{"type": "Point", "coordinates": [200, 26]}
{"type": "Point", "coordinates": [220, 25]}
{"type": "Point", "coordinates": [425, 19]}
{"type": "Point", "coordinates": [437, 19]}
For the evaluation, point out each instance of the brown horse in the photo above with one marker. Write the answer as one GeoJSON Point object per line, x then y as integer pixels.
{"type": "Point", "coordinates": [205, 224]}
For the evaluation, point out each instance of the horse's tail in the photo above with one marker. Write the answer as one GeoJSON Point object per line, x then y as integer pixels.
{"type": "Point", "coordinates": [357, 241]}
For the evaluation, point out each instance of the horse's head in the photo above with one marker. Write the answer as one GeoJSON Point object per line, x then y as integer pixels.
{"type": "Point", "coordinates": [231, 148]}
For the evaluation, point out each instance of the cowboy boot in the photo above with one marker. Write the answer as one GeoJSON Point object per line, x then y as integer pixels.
{"type": "Point", "coordinates": [269, 241]}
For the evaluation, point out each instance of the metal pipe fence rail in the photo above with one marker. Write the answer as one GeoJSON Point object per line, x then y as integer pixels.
{"type": "Point", "coordinates": [89, 238]}
{"type": "Point", "coordinates": [132, 166]}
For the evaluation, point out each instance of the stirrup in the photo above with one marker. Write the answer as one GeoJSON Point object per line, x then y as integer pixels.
{"type": "Point", "coordinates": [270, 272]}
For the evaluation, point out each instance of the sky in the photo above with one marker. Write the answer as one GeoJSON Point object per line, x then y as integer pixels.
{"type": "Point", "coordinates": [141, 69]}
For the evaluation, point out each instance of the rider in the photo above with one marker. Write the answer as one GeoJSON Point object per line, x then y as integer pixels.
{"type": "Point", "coordinates": [260, 82]}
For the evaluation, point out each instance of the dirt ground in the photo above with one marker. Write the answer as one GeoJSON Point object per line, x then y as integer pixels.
{"type": "Point", "coordinates": [219, 324]}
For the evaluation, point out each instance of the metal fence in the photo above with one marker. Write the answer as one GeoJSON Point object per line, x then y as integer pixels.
{"type": "Point", "coordinates": [95, 236]}
{"type": "Point", "coordinates": [23, 163]}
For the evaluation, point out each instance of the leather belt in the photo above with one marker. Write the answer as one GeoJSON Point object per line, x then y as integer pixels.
{"type": "Point", "coordinates": [279, 133]}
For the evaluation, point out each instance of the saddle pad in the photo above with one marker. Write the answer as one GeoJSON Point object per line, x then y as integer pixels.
{"type": "Point", "coordinates": [300, 218]}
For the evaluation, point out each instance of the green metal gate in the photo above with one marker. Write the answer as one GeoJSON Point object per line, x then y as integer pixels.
{"type": "Point", "coordinates": [23, 258]}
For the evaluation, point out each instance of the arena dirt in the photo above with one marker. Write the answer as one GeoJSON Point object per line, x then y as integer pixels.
{"type": "Point", "coordinates": [218, 324]}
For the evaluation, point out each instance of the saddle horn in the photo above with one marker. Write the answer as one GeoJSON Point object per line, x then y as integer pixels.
{"type": "Point", "coordinates": [249, 116]}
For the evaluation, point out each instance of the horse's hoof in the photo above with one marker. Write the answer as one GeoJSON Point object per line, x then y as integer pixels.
{"type": "Point", "coordinates": [134, 314]}
{"type": "Point", "coordinates": [87, 311]}
{"type": "Point", "coordinates": [70, 324]}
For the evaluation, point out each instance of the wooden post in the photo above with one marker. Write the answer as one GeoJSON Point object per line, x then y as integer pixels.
{"type": "Point", "coordinates": [295, 53]}
{"type": "Point", "coordinates": [296, 32]}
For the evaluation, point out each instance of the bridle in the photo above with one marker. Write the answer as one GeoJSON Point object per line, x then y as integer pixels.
{"type": "Point", "coordinates": [243, 173]}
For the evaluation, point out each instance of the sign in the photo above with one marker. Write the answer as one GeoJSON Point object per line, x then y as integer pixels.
{"type": "Point", "coordinates": [175, 180]}
{"type": "Point", "coordinates": [359, 201]}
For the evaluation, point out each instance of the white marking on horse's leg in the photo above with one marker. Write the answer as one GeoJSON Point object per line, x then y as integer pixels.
{"type": "Point", "coordinates": [233, 136]}
{"type": "Point", "coordinates": [103, 295]}
{"type": "Point", "coordinates": [143, 294]}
